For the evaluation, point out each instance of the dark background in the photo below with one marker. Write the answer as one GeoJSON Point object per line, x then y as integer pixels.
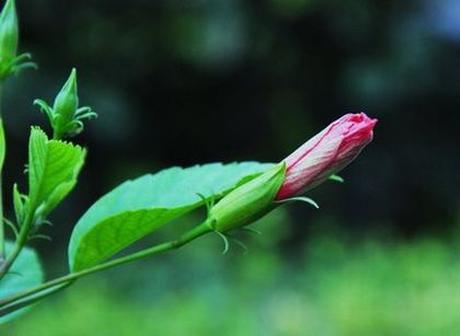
{"type": "Point", "coordinates": [185, 82]}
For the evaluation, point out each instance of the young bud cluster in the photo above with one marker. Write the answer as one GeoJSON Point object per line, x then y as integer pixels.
{"type": "Point", "coordinates": [65, 116]}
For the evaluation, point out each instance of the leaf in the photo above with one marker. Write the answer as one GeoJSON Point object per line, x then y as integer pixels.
{"type": "Point", "coordinates": [139, 207]}
{"type": "Point", "coordinates": [26, 272]}
{"type": "Point", "coordinates": [53, 170]}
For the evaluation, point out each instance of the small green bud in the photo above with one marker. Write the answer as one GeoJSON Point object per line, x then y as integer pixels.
{"type": "Point", "coordinates": [248, 202]}
{"type": "Point", "coordinates": [65, 116]}
{"type": "Point", "coordinates": [65, 105]}
{"type": "Point", "coordinates": [9, 32]}
{"type": "Point", "coordinates": [10, 62]}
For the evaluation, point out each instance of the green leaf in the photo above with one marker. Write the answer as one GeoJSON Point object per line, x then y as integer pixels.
{"type": "Point", "coordinates": [139, 207]}
{"type": "Point", "coordinates": [26, 272]}
{"type": "Point", "coordinates": [53, 170]}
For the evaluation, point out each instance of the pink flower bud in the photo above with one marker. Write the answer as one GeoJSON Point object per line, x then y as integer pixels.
{"type": "Point", "coordinates": [326, 153]}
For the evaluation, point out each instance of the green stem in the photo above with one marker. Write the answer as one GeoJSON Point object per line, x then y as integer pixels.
{"type": "Point", "coordinates": [2, 224]}
{"type": "Point", "coordinates": [6, 304]}
{"type": "Point", "coordinates": [21, 240]}
{"type": "Point", "coordinates": [16, 305]}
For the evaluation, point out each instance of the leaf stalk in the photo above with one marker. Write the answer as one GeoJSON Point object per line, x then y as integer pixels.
{"type": "Point", "coordinates": [2, 224]}
{"type": "Point", "coordinates": [19, 300]}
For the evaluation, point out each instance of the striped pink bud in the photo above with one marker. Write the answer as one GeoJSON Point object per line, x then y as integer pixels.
{"type": "Point", "coordinates": [326, 153]}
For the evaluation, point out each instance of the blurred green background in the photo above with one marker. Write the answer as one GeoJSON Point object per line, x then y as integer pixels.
{"type": "Point", "coordinates": [181, 82]}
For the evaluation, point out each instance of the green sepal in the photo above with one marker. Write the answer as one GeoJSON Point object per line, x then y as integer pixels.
{"type": "Point", "coordinates": [2, 145]}
{"type": "Point", "coordinates": [336, 178]}
{"type": "Point", "coordinates": [248, 202]}
{"type": "Point", "coordinates": [300, 199]}
{"type": "Point", "coordinates": [44, 108]}
{"type": "Point", "coordinates": [20, 63]}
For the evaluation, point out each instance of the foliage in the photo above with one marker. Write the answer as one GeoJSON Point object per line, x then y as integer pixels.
{"type": "Point", "coordinates": [53, 169]}
{"type": "Point", "coordinates": [337, 288]}
{"type": "Point", "coordinates": [139, 207]}
{"type": "Point", "coordinates": [235, 195]}
{"type": "Point", "coordinates": [121, 217]}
